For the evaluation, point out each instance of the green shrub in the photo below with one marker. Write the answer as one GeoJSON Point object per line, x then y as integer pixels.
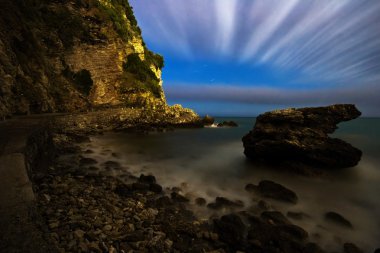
{"type": "Point", "coordinates": [139, 68]}
{"type": "Point", "coordinates": [115, 14]}
{"type": "Point", "coordinates": [156, 59]}
{"type": "Point", "coordinates": [145, 78]}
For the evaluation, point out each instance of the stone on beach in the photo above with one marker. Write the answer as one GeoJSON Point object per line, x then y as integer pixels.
{"type": "Point", "coordinates": [270, 189]}
{"type": "Point", "coordinates": [338, 219]}
{"type": "Point", "coordinates": [299, 138]}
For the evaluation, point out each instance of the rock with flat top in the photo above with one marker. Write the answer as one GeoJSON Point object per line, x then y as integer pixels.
{"type": "Point", "coordinates": [299, 138]}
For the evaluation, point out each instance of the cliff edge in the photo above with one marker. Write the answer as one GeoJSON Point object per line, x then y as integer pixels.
{"type": "Point", "coordinates": [74, 55]}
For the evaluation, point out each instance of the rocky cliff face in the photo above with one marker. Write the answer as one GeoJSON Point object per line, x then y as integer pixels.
{"type": "Point", "coordinates": [298, 138]}
{"type": "Point", "coordinates": [73, 55]}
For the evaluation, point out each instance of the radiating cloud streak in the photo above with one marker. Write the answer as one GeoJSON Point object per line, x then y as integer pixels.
{"type": "Point", "coordinates": [268, 26]}
{"type": "Point", "coordinates": [331, 41]}
{"type": "Point", "coordinates": [225, 13]}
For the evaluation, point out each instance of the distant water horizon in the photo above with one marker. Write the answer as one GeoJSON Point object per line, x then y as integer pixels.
{"type": "Point", "coordinates": [209, 162]}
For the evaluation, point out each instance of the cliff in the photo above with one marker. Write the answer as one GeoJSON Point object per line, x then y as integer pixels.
{"type": "Point", "coordinates": [74, 55]}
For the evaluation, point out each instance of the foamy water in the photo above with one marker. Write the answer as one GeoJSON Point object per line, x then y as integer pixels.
{"type": "Point", "coordinates": [210, 162]}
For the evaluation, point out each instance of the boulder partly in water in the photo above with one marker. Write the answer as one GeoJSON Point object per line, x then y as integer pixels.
{"type": "Point", "coordinates": [299, 138]}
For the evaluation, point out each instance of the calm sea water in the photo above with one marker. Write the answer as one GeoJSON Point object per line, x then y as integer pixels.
{"type": "Point", "coordinates": [210, 162]}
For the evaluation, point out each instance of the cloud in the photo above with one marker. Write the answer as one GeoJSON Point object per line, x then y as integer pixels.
{"type": "Point", "coordinates": [330, 41]}
{"type": "Point", "coordinates": [226, 17]}
{"type": "Point", "coordinates": [367, 96]}
{"type": "Point", "coordinates": [268, 26]}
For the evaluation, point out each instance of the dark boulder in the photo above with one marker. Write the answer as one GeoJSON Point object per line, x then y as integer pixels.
{"type": "Point", "coordinates": [231, 229]}
{"type": "Point", "coordinates": [178, 197]}
{"type": "Point", "coordinates": [276, 237]}
{"type": "Point", "coordinates": [297, 215]}
{"type": "Point", "coordinates": [221, 202]}
{"type": "Point", "coordinates": [276, 191]}
{"type": "Point", "coordinates": [87, 161]}
{"type": "Point", "coordinates": [200, 201]}
{"type": "Point", "coordinates": [123, 190]}
{"type": "Point", "coordinates": [155, 188]}
{"type": "Point", "coordinates": [208, 120]}
{"type": "Point", "coordinates": [338, 219]}
{"type": "Point", "coordinates": [299, 138]}
{"type": "Point", "coordinates": [140, 187]}
{"type": "Point", "coordinates": [275, 217]}
{"type": "Point", "coordinates": [112, 164]}
{"type": "Point", "coordinates": [228, 124]}
{"type": "Point", "coordinates": [312, 248]}
{"type": "Point", "coordinates": [351, 248]}
{"type": "Point", "coordinates": [149, 179]}
{"type": "Point", "coordinates": [163, 201]}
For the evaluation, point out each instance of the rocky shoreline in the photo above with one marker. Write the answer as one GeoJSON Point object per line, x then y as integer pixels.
{"type": "Point", "coordinates": [84, 209]}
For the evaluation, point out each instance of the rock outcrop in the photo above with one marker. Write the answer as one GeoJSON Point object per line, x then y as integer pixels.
{"type": "Point", "coordinates": [299, 138]}
{"type": "Point", "coordinates": [208, 120]}
{"type": "Point", "coordinates": [228, 124]}
{"type": "Point", "coordinates": [74, 55]}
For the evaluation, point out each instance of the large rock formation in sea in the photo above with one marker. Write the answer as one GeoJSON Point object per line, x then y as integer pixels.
{"type": "Point", "coordinates": [299, 138]}
{"type": "Point", "coordinates": [74, 55]}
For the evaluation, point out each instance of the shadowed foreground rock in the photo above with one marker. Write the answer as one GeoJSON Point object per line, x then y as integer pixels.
{"type": "Point", "coordinates": [298, 138]}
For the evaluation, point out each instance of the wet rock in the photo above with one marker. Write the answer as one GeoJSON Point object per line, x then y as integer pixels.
{"type": "Point", "coordinates": [140, 186]}
{"type": "Point", "coordinates": [149, 179]}
{"type": "Point", "coordinates": [178, 197]}
{"type": "Point", "coordinates": [208, 120]}
{"type": "Point", "coordinates": [87, 161]}
{"type": "Point", "coordinates": [293, 232]}
{"type": "Point", "coordinates": [275, 217]}
{"type": "Point", "coordinates": [276, 191]}
{"type": "Point", "coordinates": [112, 164]}
{"type": "Point", "coordinates": [93, 168]}
{"type": "Point", "coordinates": [155, 188]}
{"type": "Point", "coordinates": [297, 215]}
{"type": "Point", "coordinates": [164, 201]}
{"type": "Point", "coordinates": [251, 188]}
{"type": "Point", "coordinates": [123, 190]}
{"type": "Point", "coordinates": [200, 201]}
{"type": "Point", "coordinates": [351, 248]}
{"type": "Point", "coordinates": [312, 248]}
{"type": "Point", "coordinates": [275, 238]}
{"type": "Point", "coordinates": [263, 205]}
{"type": "Point", "coordinates": [221, 202]}
{"type": "Point", "coordinates": [176, 189]}
{"type": "Point", "coordinates": [231, 229]}
{"type": "Point", "coordinates": [299, 138]}
{"type": "Point", "coordinates": [228, 124]}
{"type": "Point", "coordinates": [338, 219]}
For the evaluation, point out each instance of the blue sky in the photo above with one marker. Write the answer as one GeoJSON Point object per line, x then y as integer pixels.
{"type": "Point", "coordinates": [243, 57]}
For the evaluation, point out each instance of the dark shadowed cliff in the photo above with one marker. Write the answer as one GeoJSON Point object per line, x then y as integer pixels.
{"type": "Point", "coordinates": [74, 55]}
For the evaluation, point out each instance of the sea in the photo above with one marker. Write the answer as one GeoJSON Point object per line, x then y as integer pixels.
{"type": "Point", "coordinates": [209, 162]}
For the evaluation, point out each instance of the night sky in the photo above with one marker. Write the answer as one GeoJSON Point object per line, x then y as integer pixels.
{"type": "Point", "coordinates": [244, 57]}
